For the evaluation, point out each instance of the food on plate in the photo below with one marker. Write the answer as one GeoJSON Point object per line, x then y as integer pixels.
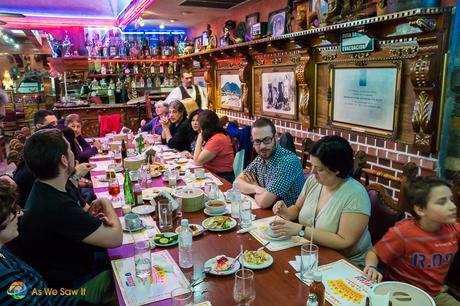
{"type": "Point", "coordinates": [194, 228]}
{"type": "Point", "coordinates": [155, 167]}
{"type": "Point", "coordinates": [165, 238]}
{"type": "Point", "coordinates": [255, 257]}
{"type": "Point", "coordinates": [222, 264]}
{"type": "Point", "coordinates": [220, 222]}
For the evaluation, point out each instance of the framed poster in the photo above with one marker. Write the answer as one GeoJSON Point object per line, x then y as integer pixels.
{"type": "Point", "coordinates": [278, 96]}
{"type": "Point", "coordinates": [229, 89]}
{"type": "Point", "coordinates": [277, 22]}
{"type": "Point", "coordinates": [251, 20]}
{"type": "Point", "coordinates": [365, 98]}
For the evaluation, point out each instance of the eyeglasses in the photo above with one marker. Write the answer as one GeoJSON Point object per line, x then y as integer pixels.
{"type": "Point", "coordinates": [266, 140]}
{"type": "Point", "coordinates": [15, 210]}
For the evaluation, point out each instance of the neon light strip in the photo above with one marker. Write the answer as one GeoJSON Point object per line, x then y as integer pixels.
{"type": "Point", "coordinates": [132, 60]}
{"type": "Point", "coordinates": [69, 16]}
{"type": "Point", "coordinates": [133, 11]}
{"type": "Point", "coordinates": [155, 32]}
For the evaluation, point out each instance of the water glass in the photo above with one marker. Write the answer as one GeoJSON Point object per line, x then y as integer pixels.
{"type": "Point", "coordinates": [210, 188]}
{"type": "Point", "coordinates": [244, 292]}
{"type": "Point", "coordinates": [172, 179]}
{"type": "Point", "coordinates": [308, 261]}
{"type": "Point", "coordinates": [165, 215]}
{"type": "Point", "coordinates": [145, 176]}
{"type": "Point", "coordinates": [117, 157]}
{"type": "Point", "coordinates": [245, 214]}
{"type": "Point", "coordinates": [181, 298]}
{"type": "Point", "coordinates": [142, 259]}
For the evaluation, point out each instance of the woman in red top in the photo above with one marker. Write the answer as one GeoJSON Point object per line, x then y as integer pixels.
{"type": "Point", "coordinates": [217, 155]}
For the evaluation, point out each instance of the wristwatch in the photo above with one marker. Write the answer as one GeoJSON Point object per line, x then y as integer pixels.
{"type": "Point", "coordinates": [301, 233]}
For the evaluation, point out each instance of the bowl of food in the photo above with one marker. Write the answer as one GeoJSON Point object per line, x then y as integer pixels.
{"type": "Point", "coordinates": [215, 206]}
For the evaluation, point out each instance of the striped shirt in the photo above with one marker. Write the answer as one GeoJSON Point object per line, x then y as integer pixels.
{"type": "Point", "coordinates": [22, 285]}
{"type": "Point", "coordinates": [419, 257]}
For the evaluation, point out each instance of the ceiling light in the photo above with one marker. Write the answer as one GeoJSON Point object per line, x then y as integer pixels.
{"type": "Point", "coordinates": [162, 26]}
{"type": "Point", "coordinates": [12, 15]}
{"type": "Point", "coordinates": [172, 20]}
{"type": "Point", "coordinates": [186, 13]}
{"type": "Point", "coordinates": [16, 46]}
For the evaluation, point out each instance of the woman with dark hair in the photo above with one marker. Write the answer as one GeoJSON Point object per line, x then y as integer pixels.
{"type": "Point", "coordinates": [332, 204]}
{"type": "Point", "coordinates": [17, 277]}
{"type": "Point", "coordinates": [176, 132]}
{"type": "Point", "coordinates": [83, 150]}
{"type": "Point", "coordinates": [217, 154]}
{"type": "Point", "coordinates": [194, 119]}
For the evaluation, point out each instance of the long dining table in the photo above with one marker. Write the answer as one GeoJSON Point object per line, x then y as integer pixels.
{"type": "Point", "coordinates": [275, 285]}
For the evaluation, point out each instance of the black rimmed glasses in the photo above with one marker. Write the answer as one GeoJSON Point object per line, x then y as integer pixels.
{"type": "Point", "coordinates": [267, 140]}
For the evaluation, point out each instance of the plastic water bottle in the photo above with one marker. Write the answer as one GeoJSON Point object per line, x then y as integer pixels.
{"type": "Point", "coordinates": [185, 245]}
{"type": "Point", "coordinates": [235, 198]}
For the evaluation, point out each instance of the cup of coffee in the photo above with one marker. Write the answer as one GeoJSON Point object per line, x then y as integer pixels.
{"type": "Point", "coordinates": [132, 221]}
{"type": "Point", "coordinates": [199, 173]}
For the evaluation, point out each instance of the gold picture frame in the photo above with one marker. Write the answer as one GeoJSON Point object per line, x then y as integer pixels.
{"type": "Point", "coordinates": [229, 89]}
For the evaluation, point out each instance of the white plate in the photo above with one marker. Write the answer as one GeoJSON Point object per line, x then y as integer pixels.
{"type": "Point", "coordinates": [209, 221]}
{"type": "Point", "coordinates": [207, 212]}
{"type": "Point", "coordinates": [167, 244]}
{"type": "Point", "coordinates": [165, 179]}
{"type": "Point", "coordinates": [209, 264]}
{"type": "Point", "coordinates": [182, 160]}
{"type": "Point", "coordinates": [274, 238]}
{"type": "Point", "coordinates": [399, 291]}
{"type": "Point", "coordinates": [149, 193]}
{"type": "Point", "coordinates": [143, 209]}
{"type": "Point", "coordinates": [253, 266]}
{"type": "Point", "coordinates": [197, 232]}
{"type": "Point", "coordinates": [155, 174]}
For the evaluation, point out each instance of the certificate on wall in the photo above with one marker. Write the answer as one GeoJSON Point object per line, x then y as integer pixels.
{"type": "Point", "coordinates": [366, 98]}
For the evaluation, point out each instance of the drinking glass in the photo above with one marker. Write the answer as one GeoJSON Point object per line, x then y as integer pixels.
{"type": "Point", "coordinates": [165, 215]}
{"type": "Point", "coordinates": [145, 176]}
{"type": "Point", "coordinates": [210, 188]}
{"type": "Point", "coordinates": [142, 259]}
{"type": "Point", "coordinates": [134, 175]}
{"type": "Point", "coordinates": [172, 179]}
{"type": "Point", "coordinates": [114, 189]}
{"type": "Point", "coordinates": [308, 261]}
{"type": "Point", "coordinates": [245, 214]}
{"type": "Point", "coordinates": [179, 298]}
{"type": "Point", "coordinates": [117, 157]}
{"type": "Point", "coordinates": [244, 292]}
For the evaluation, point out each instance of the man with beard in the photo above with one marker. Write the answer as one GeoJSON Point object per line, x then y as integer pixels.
{"type": "Point", "coordinates": [276, 174]}
{"type": "Point", "coordinates": [60, 233]}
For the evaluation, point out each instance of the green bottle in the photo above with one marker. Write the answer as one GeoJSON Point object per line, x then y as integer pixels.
{"type": "Point", "coordinates": [140, 145]}
{"type": "Point", "coordinates": [128, 189]}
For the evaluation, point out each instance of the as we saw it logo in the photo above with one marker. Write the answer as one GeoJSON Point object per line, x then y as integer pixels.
{"type": "Point", "coordinates": [17, 290]}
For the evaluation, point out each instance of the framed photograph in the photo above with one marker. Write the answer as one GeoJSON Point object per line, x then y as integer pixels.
{"type": "Point", "coordinates": [251, 20]}
{"type": "Point", "coordinates": [199, 80]}
{"type": "Point", "coordinates": [222, 42]}
{"type": "Point", "coordinates": [278, 91]}
{"type": "Point", "coordinates": [204, 39]}
{"type": "Point", "coordinates": [229, 89]}
{"type": "Point", "coordinates": [365, 99]}
{"type": "Point", "coordinates": [277, 22]}
{"type": "Point", "coordinates": [197, 43]}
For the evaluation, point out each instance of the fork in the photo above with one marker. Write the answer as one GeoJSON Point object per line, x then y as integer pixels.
{"type": "Point", "coordinates": [263, 247]}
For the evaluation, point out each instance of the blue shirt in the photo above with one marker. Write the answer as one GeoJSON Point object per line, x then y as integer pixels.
{"type": "Point", "coordinates": [282, 175]}
{"type": "Point", "coordinates": [154, 126]}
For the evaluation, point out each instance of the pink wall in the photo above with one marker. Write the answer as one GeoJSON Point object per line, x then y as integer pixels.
{"type": "Point", "coordinates": [238, 14]}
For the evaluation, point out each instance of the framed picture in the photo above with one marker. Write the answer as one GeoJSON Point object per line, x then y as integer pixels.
{"type": "Point", "coordinates": [222, 42]}
{"type": "Point", "coordinates": [197, 43]}
{"type": "Point", "coordinates": [199, 80]}
{"type": "Point", "coordinates": [204, 39]}
{"type": "Point", "coordinates": [365, 99]}
{"type": "Point", "coordinates": [278, 92]}
{"type": "Point", "coordinates": [229, 89]}
{"type": "Point", "coordinates": [250, 20]}
{"type": "Point", "coordinates": [277, 22]}
{"type": "Point", "coordinates": [321, 8]}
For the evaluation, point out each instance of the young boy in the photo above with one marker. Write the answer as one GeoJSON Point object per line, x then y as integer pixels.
{"type": "Point", "coordinates": [420, 250]}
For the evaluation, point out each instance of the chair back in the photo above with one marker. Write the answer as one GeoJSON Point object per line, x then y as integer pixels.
{"type": "Point", "coordinates": [384, 211]}
{"type": "Point", "coordinates": [287, 142]}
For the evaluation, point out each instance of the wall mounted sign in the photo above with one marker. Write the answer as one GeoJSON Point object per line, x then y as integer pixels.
{"type": "Point", "coordinates": [354, 42]}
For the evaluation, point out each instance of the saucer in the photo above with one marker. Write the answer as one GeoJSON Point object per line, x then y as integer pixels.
{"type": "Point", "coordinates": [143, 209]}
{"type": "Point", "coordinates": [207, 212]}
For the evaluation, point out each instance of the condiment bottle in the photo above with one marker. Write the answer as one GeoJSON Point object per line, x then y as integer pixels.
{"type": "Point", "coordinates": [318, 288]}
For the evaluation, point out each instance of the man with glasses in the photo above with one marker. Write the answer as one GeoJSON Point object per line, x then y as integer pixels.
{"type": "Point", "coordinates": [276, 174]}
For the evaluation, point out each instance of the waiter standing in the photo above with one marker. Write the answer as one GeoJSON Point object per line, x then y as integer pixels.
{"type": "Point", "coordinates": [189, 90]}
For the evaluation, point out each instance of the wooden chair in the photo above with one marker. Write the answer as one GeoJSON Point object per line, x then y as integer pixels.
{"type": "Point", "coordinates": [307, 143]}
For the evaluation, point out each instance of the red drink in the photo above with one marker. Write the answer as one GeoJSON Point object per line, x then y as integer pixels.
{"type": "Point", "coordinates": [118, 160]}
{"type": "Point", "coordinates": [114, 190]}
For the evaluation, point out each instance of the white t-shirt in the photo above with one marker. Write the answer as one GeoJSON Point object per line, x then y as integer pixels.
{"type": "Point", "coordinates": [176, 94]}
{"type": "Point", "coordinates": [351, 197]}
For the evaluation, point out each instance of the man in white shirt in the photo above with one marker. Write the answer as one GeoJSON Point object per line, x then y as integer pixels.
{"type": "Point", "coordinates": [189, 90]}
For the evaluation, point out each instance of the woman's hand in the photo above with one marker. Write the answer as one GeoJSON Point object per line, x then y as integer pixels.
{"type": "Point", "coordinates": [283, 227]}
{"type": "Point", "coordinates": [97, 144]}
{"type": "Point", "coordinates": [372, 274]}
{"type": "Point", "coordinates": [82, 169]}
{"type": "Point", "coordinates": [186, 154]}
{"type": "Point", "coordinates": [165, 122]}
{"type": "Point", "coordinates": [143, 122]}
{"type": "Point", "coordinates": [279, 208]}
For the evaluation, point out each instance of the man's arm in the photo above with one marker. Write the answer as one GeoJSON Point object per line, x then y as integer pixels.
{"type": "Point", "coordinates": [175, 94]}
{"type": "Point", "coordinates": [248, 185]}
{"type": "Point", "coordinates": [148, 126]}
{"type": "Point", "coordinates": [109, 234]}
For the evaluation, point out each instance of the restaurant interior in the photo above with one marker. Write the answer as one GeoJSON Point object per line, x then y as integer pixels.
{"type": "Point", "coordinates": [230, 152]}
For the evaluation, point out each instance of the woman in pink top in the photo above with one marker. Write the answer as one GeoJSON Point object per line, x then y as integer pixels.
{"type": "Point", "coordinates": [217, 155]}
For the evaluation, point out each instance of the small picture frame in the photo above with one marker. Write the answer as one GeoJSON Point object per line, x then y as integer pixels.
{"type": "Point", "coordinates": [204, 39]}
{"type": "Point", "coordinates": [251, 20]}
{"type": "Point", "coordinates": [277, 22]}
{"type": "Point", "coordinates": [222, 42]}
{"type": "Point", "coordinates": [259, 30]}
{"type": "Point", "coordinates": [197, 43]}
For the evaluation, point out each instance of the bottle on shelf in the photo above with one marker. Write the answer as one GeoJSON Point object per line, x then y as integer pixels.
{"type": "Point", "coordinates": [128, 189]}
{"type": "Point", "coordinates": [318, 288]}
{"type": "Point", "coordinates": [185, 245]}
{"type": "Point", "coordinates": [142, 82]}
{"type": "Point", "coordinates": [149, 82]}
{"type": "Point", "coordinates": [137, 193]}
{"type": "Point", "coordinates": [162, 70]}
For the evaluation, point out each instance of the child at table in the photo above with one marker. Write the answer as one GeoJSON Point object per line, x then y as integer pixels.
{"type": "Point", "coordinates": [420, 250]}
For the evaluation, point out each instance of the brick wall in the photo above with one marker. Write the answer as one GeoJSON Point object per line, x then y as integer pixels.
{"type": "Point", "coordinates": [386, 156]}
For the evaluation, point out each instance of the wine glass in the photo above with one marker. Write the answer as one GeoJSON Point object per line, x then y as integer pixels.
{"type": "Point", "coordinates": [114, 189]}
{"type": "Point", "coordinates": [244, 292]}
